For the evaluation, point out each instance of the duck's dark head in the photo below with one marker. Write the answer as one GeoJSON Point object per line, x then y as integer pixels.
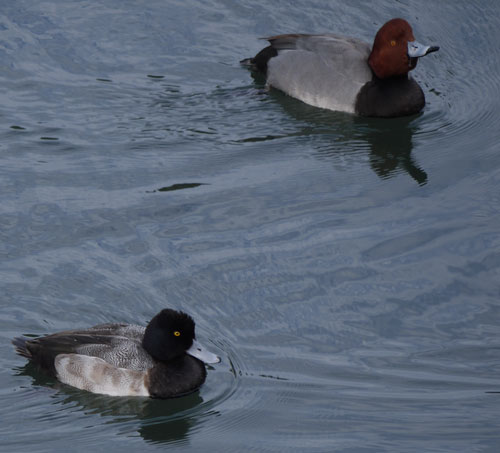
{"type": "Point", "coordinates": [170, 334]}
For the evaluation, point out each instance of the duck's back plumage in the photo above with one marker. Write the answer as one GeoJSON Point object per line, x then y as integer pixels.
{"type": "Point", "coordinates": [117, 344]}
{"type": "Point", "coordinates": [339, 68]}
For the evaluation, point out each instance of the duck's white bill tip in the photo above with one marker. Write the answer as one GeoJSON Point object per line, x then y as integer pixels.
{"type": "Point", "coordinates": [198, 351]}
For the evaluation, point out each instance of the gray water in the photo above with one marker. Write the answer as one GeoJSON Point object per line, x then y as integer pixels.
{"type": "Point", "coordinates": [347, 270]}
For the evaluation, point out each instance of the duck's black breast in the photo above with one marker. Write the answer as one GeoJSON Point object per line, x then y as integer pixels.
{"type": "Point", "coordinates": [175, 378]}
{"type": "Point", "coordinates": [397, 96]}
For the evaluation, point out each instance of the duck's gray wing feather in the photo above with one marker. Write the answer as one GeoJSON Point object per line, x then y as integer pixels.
{"type": "Point", "coordinates": [131, 331]}
{"type": "Point", "coordinates": [325, 70]}
{"type": "Point", "coordinates": [120, 352]}
{"type": "Point", "coordinates": [100, 341]}
{"type": "Point", "coordinates": [329, 42]}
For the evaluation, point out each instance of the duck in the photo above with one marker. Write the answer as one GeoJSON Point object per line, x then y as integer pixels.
{"type": "Point", "coordinates": [161, 360]}
{"type": "Point", "coordinates": [341, 73]}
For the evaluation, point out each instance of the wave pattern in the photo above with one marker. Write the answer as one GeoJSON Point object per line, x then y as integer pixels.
{"type": "Point", "coordinates": [346, 269]}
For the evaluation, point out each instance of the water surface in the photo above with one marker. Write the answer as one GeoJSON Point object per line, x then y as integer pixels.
{"type": "Point", "coordinates": [347, 270]}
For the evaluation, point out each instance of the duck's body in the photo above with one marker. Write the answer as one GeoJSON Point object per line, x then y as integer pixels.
{"type": "Point", "coordinates": [346, 74]}
{"type": "Point", "coordinates": [124, 359]}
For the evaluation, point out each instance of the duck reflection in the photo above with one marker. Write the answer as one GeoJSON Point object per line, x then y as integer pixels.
{"type": "Point", "coordinates": [390, 155]}
{"type": "Point", "coordinates": [160, 421]}
{"type": "Point", "coordinates": [388, 141]}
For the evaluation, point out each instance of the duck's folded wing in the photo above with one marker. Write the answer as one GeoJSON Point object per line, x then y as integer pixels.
{"type": "Point", "coordinates": [322, 70]}
{"type": "Point", "coordinates": [116, 350]}
{"type": "Point", "coordinates": [97, 376]}
{"type": "Point", "coordinates": [326, 42]}
{"type": "Point", "coordinates": [287, 41]}
{"type": "Point", "coordinates": [130, 331]}
{"type": "Point", "coordinates": [43, 351]}
{"type": "Point", "coordinates": [120, 352]}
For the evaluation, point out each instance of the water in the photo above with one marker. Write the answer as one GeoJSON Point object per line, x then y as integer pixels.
{"type": "Point", "coordinates": [347, 270]}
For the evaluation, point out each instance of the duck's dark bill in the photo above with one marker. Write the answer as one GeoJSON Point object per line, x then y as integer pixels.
{"type": "Point", "coordinates": [432, 49]}
{"type": "Point", "coordinates": [198, 351]}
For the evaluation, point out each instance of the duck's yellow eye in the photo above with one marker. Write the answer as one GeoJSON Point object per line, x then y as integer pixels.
{"type": "Point", "coordinates": [177, 333]}
{"type": "Point", "coordinates": [393, 43]}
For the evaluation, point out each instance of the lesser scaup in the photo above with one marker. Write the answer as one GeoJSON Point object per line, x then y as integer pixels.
{"type": "Point", "coordinates": [342, 73]}
{"type": "Point", "coordinates": [162, 360]}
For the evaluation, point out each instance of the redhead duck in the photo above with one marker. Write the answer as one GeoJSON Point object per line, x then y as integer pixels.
{"type": "Point", "coordinates": [340, 73]}
{"type": "Point", "coordinates": [162, 360]}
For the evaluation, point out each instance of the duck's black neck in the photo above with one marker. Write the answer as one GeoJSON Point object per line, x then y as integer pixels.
{"type": "Point", "coordinates": [395, 96]}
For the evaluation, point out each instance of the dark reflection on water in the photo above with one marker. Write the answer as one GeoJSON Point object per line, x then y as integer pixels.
{"type": "Point", "coordinates": [389, 142]}
{"type": "Point", "coordinates": [187, 185]}
{"type": "Point", "coordinates": [178, 186]}
{"type": "Point", "coordinates": [160, 421]}
{"type": "Point", "coordinates": [387, 156]}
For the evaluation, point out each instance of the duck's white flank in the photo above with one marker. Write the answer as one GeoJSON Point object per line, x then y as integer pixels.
{"type": "Point", "coordinates": [97, 376]}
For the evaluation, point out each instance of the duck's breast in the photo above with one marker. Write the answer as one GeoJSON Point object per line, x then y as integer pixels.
{"type": "Point", "coordinates": [326, 71]}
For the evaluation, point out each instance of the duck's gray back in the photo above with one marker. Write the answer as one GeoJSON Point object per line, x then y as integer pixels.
{"type": "Point", "coordinates": [326, 70]}
{"type": "Point", "coordinates": [123, 347]}
{"type": "Point", "coordinates": [130, 331]}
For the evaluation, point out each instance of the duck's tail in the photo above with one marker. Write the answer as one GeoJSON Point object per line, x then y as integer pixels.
{"type": "Point", "coordinates": [247, 62]}
{"type": "Point", "coordinates": [21, 348]}
{"type": "Point", "coordinates": [259, 62]}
